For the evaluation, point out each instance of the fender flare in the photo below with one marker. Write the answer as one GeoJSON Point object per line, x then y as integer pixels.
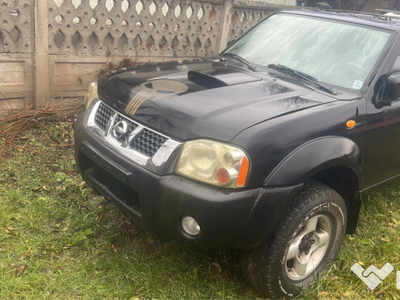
{"type": "Point", "coordinates": [313, 157]}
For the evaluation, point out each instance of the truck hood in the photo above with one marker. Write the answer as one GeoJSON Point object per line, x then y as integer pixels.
{"type": "Point", "coordinates": [203, 98]}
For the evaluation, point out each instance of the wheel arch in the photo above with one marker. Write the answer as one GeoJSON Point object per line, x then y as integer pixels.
{"type": "Point", "coordinates": [333, 161]}
{"type": "Point", "coordinates": [345, 182]}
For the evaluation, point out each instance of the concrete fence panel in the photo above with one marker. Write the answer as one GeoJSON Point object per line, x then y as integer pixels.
{"type": "Point", "coordinates": [52, 49]}
{"type": "Point", "coordinates": [16, 54]}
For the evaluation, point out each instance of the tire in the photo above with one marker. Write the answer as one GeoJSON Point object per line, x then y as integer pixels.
{"type": "Point", "coordinates": [305, 243]}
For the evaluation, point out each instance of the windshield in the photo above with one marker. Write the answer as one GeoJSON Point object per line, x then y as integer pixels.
{"type": "Point", "coordinates": [336, 53]}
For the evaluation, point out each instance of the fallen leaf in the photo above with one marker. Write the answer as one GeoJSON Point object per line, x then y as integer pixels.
{"type": "Point", "coordinates": [216, 270]}
{"type": "Point", "coordinates": [114, 248]}
{"type": "Point", "coordinates": [21, 270]}
{"type": "Point", "coordinates": [217, 267]}
{"type": "Point", "coordinates": [23, 256]}
{"type": "Point", "coordinates": [46, 188]}
{"type": "Point", "coordinates": [10, 230]}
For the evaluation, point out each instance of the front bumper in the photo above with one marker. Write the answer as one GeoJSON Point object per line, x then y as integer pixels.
{"type": "Point", "coordinates": [230, 218]}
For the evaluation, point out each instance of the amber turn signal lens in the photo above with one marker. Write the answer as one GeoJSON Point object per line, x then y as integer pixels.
{"type": "Point", "coordinates": [350, 123]}
{"type": "Point", "coordinates": [244, 169]}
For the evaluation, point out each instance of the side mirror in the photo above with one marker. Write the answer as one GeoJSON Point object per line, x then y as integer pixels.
{"type": "Point", "coordinates": [387, 89]}
{"type": "Point", "coordinates": [392, 88]}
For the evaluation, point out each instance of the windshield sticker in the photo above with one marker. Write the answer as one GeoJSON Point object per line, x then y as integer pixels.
{"type": "Point", "coordinates": [358, 84]}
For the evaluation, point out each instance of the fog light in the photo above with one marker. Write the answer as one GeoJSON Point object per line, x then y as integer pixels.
{"type": "Point", "coordinates": [190, 226]}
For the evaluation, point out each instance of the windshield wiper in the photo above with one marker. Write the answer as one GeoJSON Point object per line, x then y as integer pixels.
{"type": "Point", "coordinates": [302, 75]}
{"type": "Point", "coordinates": [239, 58]}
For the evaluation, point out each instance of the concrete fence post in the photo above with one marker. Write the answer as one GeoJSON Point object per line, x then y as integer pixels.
{"type": "Point", "coordinates": [226, 17]}
{"type": "Point", "coordinates": [41, 55]}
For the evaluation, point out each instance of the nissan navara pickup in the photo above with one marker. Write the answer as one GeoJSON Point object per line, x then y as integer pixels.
{"type": "Point", "coordinates": [265, 148]}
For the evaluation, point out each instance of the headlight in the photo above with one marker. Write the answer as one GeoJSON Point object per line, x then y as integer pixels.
{"type": "Point", "coordinates": [92, 94]}
{"type": "Point", "coordinates": [214, 163]}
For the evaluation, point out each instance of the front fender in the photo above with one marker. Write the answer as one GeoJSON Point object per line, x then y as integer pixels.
{"type": "Point", "coordinates": [313, 157]}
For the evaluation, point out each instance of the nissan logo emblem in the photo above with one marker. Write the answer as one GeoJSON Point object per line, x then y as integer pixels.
{"type": "Point", "coordinates": [120, 129]}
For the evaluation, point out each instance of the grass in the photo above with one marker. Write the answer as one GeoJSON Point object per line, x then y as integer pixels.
{"type": "Point", "coordinates": [58, 239]}
{"type": "Point", "coordinates": [376, 242]}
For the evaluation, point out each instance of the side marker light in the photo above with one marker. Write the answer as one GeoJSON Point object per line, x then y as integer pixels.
{"type": "Point", "coordinates": [244, 169]}
{"type": "Point", "coordinates": [350, 124]}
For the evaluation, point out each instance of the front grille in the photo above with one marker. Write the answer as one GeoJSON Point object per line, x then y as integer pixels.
{"type": "Point", "coordinates": [103, 116]}
{"type": "Point", "coordinates": [144, 141]}
{"type": "Point", "coordinates": [131, 126]}
{"type": "Point", "coordinates": [148, 142]}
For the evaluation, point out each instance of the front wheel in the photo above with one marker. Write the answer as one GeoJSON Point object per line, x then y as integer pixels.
{"type": "Point", "coordinates": [305, 243]}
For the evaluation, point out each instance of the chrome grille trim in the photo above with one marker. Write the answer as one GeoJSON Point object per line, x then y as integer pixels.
{"type": "Point", "coordinates": [140, 144]}
{"type": "Point", "coordinates": [103, 116]}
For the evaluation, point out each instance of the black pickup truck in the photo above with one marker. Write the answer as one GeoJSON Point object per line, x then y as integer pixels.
{"type": "Point", "coordinates": [265, 148]}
